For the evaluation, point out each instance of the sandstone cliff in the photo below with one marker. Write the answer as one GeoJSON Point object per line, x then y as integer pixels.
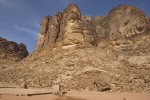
{"type": "Point", "coordinates": [123, 22]}
{"type": "Point", "coordinates": [70, 29]}
{"type": "Point", "coordinates": [64, 29]}
{"type": "Point", "coordinates": [12, 51]}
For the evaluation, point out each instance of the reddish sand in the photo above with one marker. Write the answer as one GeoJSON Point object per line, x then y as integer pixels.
{"type": "Point", "coordinates": [81, 96]}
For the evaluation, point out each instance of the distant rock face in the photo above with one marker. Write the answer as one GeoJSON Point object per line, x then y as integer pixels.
{"type": "Point", "coordinates": [12, 51]}
{"type": "Point", "coordinates": [70, 28]}
{"type": "Point", "coordinates": [123, 22]}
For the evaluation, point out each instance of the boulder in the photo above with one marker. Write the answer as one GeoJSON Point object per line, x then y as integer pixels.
{"type": "Point", "coordinates": [102, 85]}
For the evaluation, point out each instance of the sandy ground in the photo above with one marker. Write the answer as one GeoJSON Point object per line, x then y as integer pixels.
{"type": "Point", "coordinates": [72, 95]}
{"type": "Point", "coordinates": [21, 91]}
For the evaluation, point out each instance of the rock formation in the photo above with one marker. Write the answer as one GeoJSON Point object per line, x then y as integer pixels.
{"type": "Point", "coordinates": [50, 29]}
{"type": "Point", "coordinates": [123, 22]}
{"type": "Point", "coordinates": [67, 28]}
{"type": "Point", "coordinates": [75, 52]}
{"type": "Point", "coordinates": [70, 28]}
{"type": "Point", "coordinates": [99, 47]}
{"type": "Point", "coordinates": [12, 51]}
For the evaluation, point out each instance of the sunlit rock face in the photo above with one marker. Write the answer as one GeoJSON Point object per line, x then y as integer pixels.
{"type": "Point", "coordinates": [67, 28]}
{"type": "Point", "coordinates": [72, 26]}
{"type": "Point", "coordinates": [43, 31]}
{"type": "Point", "coordinates": [49, 32]}
{"type": "Point", "coordinates": [123, 22]}
{"type": "Point", "coordinates": [63, 28]}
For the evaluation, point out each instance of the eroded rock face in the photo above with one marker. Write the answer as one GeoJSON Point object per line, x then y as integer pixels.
{"type": "Point", "coordinates": [50, 29]}
{"type": "Point", "coordinates": [89, 30]}
{"type": "Point", "coordinates": [70, 28]}
{"type": "Point", "coordinates": [12, 51]}
{"type": "Point", "coordinates": [67, 28]}
{"type": "Point", "coordinates": [123, 22]}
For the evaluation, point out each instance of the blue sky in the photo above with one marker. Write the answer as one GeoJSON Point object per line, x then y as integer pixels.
{"type": "Point", "coordinates": [20, 19]}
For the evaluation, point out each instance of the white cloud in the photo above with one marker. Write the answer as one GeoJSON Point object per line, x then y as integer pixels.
{"type": "Point", "coordinates": [32, 33]}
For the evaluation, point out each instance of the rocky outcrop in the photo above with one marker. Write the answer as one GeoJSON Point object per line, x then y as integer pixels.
{"type": "Point", "coordinates": [123, 22]}
{"type": "Point", "coordinates": [67, 28]}
{"type": "Point", "coordinates": [12, 51]}
{"type": "Point", "coordinates": [70, 28]}
{"type": "Point", "coordinates": [49, 32]}
{"type": "Point", "coordinates": [89, 30]}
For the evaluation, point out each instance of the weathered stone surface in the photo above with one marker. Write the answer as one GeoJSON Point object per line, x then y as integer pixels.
{"type": "Point", "coordinates": [43, 31]}
{"type": "Point", "coordinates": [72, 26]}
{"type": "Point", "coordinates": [12, 51]}
{"type": "Point", "coordinates": [86, 18]}
{"type": "Point", "coordinates": [102, 85]}
{"type": "Point", "coordinates": [50, 29]}
{"type": "Point", "coordinates": [99, 18]}
{"type": "Point", "coordinates": [98, 27]}
{"type": "Point", "coordinates": [67, 28]}
{"type": "Point", "coordinates": [123, 22]}
{"type": "Point", "coordinates": [89, 31]}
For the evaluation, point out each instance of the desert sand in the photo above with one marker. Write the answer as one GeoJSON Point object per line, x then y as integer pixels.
{"type": "Point", "coordinates": [81, 96]}
{"type": "Point", "coordinates": [11, 94]}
